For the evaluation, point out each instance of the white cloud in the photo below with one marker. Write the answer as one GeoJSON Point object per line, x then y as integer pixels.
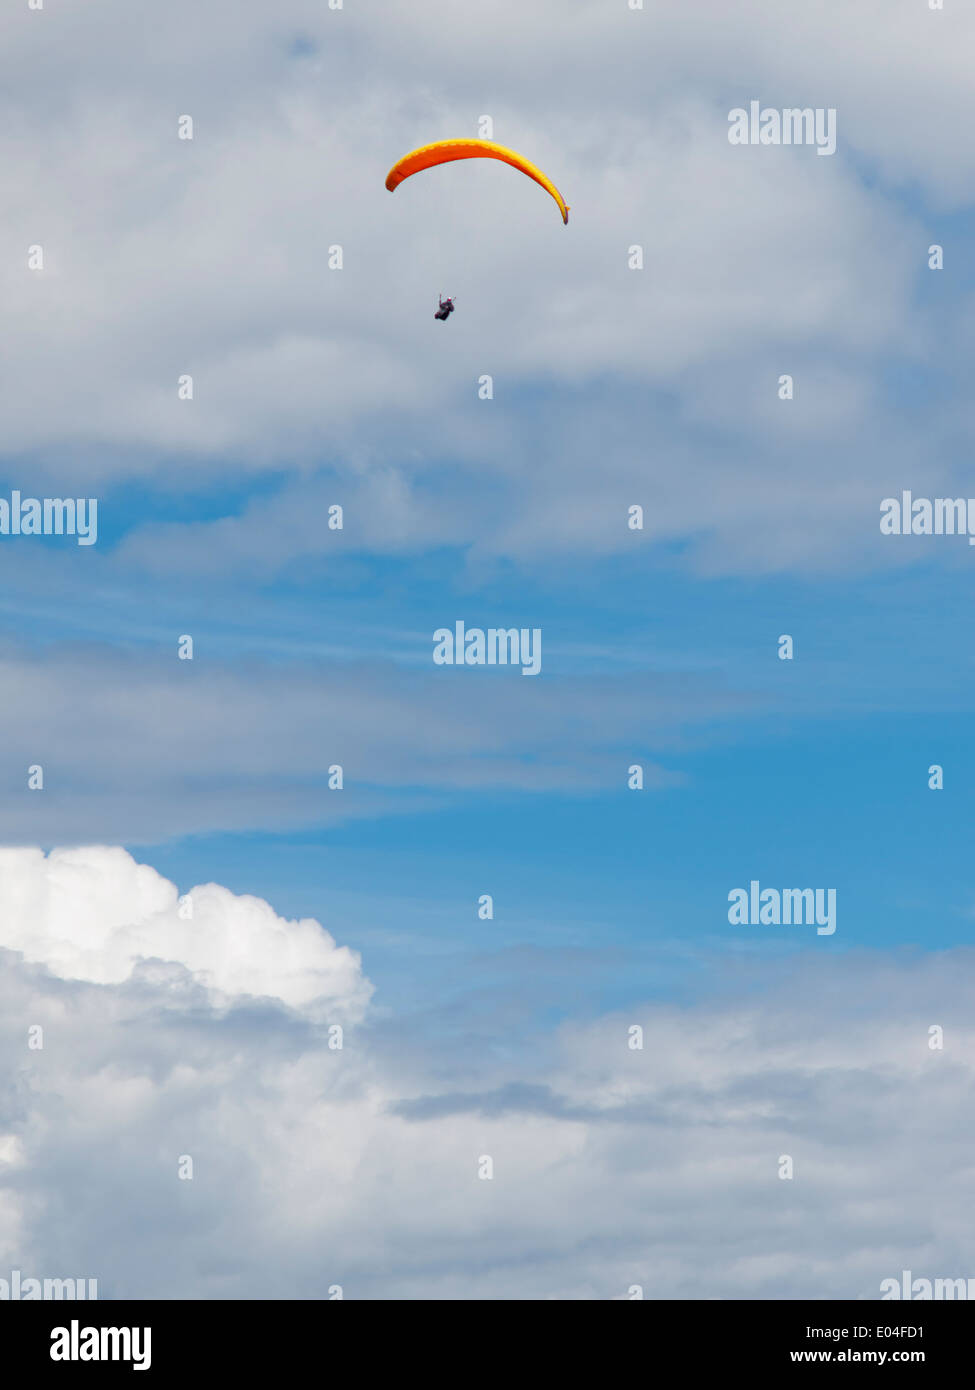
{"type": "Point", "coordinates": [94, 914]}
{"type": "Point", "coordinates": [314, 1166]}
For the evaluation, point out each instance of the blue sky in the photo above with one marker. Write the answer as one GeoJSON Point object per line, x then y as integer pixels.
{"type": "Point", "coordinates": [612, 387]}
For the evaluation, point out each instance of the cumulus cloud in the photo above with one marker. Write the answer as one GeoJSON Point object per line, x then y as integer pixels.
{"type": "Point", "coordinates": [315, 1166]}
{"type": "Point", "coordinates": [95, 914]}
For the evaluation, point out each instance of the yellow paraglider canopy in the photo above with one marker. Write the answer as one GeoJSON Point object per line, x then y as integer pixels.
{"type": "Point", "coordinates": [443, 151]}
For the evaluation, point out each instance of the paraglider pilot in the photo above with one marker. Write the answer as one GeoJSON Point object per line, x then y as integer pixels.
{"type": "Point", "coordinates": [445, 310]}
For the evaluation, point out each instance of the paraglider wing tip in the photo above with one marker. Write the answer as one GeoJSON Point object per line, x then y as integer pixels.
{"type": "Point", "coordinates": [565, 215]}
